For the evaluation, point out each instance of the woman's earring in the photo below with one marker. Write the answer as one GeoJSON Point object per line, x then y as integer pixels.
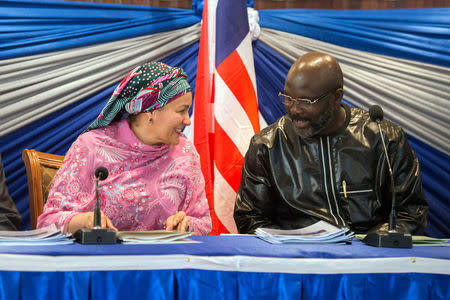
{"type": "Point", "coordinates": [150, 120]}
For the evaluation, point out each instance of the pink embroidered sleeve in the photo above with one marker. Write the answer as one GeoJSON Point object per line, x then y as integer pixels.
{"type": "Point", "coordinates": [73, 189]}
{"type": "Point", "coordinates": [184, 186]}
{"type": "Point", "coordinates": [196, 205]}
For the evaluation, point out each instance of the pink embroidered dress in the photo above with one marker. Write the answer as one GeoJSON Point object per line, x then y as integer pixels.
{"type": "Point", "coordinates": [145, 185]}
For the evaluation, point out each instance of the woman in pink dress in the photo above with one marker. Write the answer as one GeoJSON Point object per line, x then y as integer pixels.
{"type": "Point", "coordinates": [154, 181]}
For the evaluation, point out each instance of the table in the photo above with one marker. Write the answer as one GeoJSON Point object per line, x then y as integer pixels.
{"type": "Point", "coordinates": [224, 267]}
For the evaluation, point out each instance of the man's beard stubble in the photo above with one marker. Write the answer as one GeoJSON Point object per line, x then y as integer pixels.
{"type": "Point", "coordinates": [315, 126]}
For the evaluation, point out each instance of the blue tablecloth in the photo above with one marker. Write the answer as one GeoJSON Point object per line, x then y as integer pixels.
{"type": "Point", "coordinates": [227, 245]}
{"type": "Point", "coordinates": [224, 267]}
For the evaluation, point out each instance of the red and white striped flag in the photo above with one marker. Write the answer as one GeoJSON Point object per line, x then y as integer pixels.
{"type": "Point", "coordinates": [225, 107]}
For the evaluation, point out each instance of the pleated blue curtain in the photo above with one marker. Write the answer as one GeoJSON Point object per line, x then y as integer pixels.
{"type": "Point", "coordinates": [31, 27]}
{"type": "Point", "coordinates": [415, 34]}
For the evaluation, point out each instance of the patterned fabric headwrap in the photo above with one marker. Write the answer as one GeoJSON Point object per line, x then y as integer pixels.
{"type": "Point", "coordinates": [146, 88]}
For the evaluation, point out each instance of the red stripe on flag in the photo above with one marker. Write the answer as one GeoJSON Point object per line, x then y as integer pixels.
{"type": "Point", "coordinates": [203, 116]}
{"type": "Point", "coordinates": [227, 157]}
{"type": "Point", "coordinates": [235, 75]}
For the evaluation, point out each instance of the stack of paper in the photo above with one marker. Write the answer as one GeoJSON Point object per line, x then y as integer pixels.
{"type": "Point", "coordinates": [154, 237]}
{"type": "Point", "coordinates": [318, 233]}
{"type": "Point", "coordinates": [50, 235]}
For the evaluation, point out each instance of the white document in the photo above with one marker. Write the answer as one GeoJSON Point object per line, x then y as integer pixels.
{"type": "Point", "coordinates": [320, 232]}
{"type": "Point", "coordinates": [50, 235]}
{"type": "Point", "coordinates": [154, 237]}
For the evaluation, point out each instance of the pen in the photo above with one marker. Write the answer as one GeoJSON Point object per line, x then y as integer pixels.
{"type": "Point", "coordinates": [344, 187]}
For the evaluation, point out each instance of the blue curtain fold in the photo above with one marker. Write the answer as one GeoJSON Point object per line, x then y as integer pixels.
{"type": "Point", "coordinates": [270, 70]}
{"type": "Point", "coordinates": [34, 27]}
{"type": "Point", "coordinates": [435, 170]}
{"type": "Point", "coordinates": [415, 34]}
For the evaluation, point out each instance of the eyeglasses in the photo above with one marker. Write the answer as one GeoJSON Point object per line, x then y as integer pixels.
{"type": "Point", "coordinates": [289, 101]}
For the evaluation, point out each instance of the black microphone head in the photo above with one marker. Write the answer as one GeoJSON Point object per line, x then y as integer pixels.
{"type": "Point", "coordinates": [376, 113]}
{"type": "Point", "coordinates": [101, 173]}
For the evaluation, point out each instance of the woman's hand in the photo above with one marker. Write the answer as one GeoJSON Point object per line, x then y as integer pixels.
{"type": "Point", "coordinates": [178, 221]}
{"type": "Point", "coordinates": [86, 220]}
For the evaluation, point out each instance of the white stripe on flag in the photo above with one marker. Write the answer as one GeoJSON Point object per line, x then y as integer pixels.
{"type": "Point", "coordinates": [245, 51]}
{"type": "Point", "coordinates": [212, 7]}
{"type": "Point", "coordinates": [224, 198]}
{"type": "Point", "coordinates": [231, 116]}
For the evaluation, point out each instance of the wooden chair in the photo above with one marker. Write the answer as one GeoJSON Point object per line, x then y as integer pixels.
{"type": "Point", "coordinates": [41, 168]}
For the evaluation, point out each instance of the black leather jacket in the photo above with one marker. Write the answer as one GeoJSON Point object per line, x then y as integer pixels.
{"type": "Point", "coordinates": [289, 182]}
{"type": "Point", "coordinates": [10, 218]}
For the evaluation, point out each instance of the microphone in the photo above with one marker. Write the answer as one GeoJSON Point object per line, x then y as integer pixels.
{"type": "Point", "coordinates": [376, 113]}
{"type": "Point", "coordinates": [101, 173]}
{"type": "Point", "coordinates": [391, 239]}
{"type": "Point", "coordinates": [97, 234]}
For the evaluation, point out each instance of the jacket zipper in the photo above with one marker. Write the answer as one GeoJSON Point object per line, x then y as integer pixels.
{"type": "Point", "coordinates": [328, 182]}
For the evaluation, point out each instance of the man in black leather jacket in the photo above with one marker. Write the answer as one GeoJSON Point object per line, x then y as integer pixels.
{"type": "Point", "coordinates": [9, 216]}
{"type": "Point", "coordinates": [324, 161]}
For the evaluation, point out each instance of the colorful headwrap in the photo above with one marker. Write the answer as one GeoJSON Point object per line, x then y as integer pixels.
{"type": "Point", "coordinates": [146, 88]}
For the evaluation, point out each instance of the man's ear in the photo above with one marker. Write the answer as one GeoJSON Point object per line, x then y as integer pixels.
{"type": "Point", "coordinates": [338, 95]}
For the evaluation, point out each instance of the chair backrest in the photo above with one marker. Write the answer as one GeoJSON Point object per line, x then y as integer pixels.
{"type": "Point", "coordinates": [41, 168]}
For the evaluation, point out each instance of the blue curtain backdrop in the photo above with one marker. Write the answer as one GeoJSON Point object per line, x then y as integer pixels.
{"type": "Point", "coordinates": [30, 28]}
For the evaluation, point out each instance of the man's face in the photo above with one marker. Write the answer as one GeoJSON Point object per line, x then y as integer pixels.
{"type": "Point", "coordinates": [311, 119]}
{"type": "Point", "coordinates": [312, 95]}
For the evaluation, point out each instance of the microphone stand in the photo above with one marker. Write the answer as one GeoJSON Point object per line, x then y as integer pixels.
{"type": "Point", "coordinates": [392, 220]}
{"type": "Point", "coordinates": [97, 234]}
{"type": "Point", "coordinates": [392, 238]}
{"type": "Point", "coordinates": [97, 216]}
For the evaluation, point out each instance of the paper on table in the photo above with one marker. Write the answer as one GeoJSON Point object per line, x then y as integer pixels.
{"type": "Point", "coordinates": [36, 243]}
{"type": "Point", "coordinates": [36, 233]}
{"type": "Point", "coordinates": [320, 232]}
{"type": "Point", "coordinates": [154, 237]}
{"type": "Point", "coordinates": [50, 235]}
